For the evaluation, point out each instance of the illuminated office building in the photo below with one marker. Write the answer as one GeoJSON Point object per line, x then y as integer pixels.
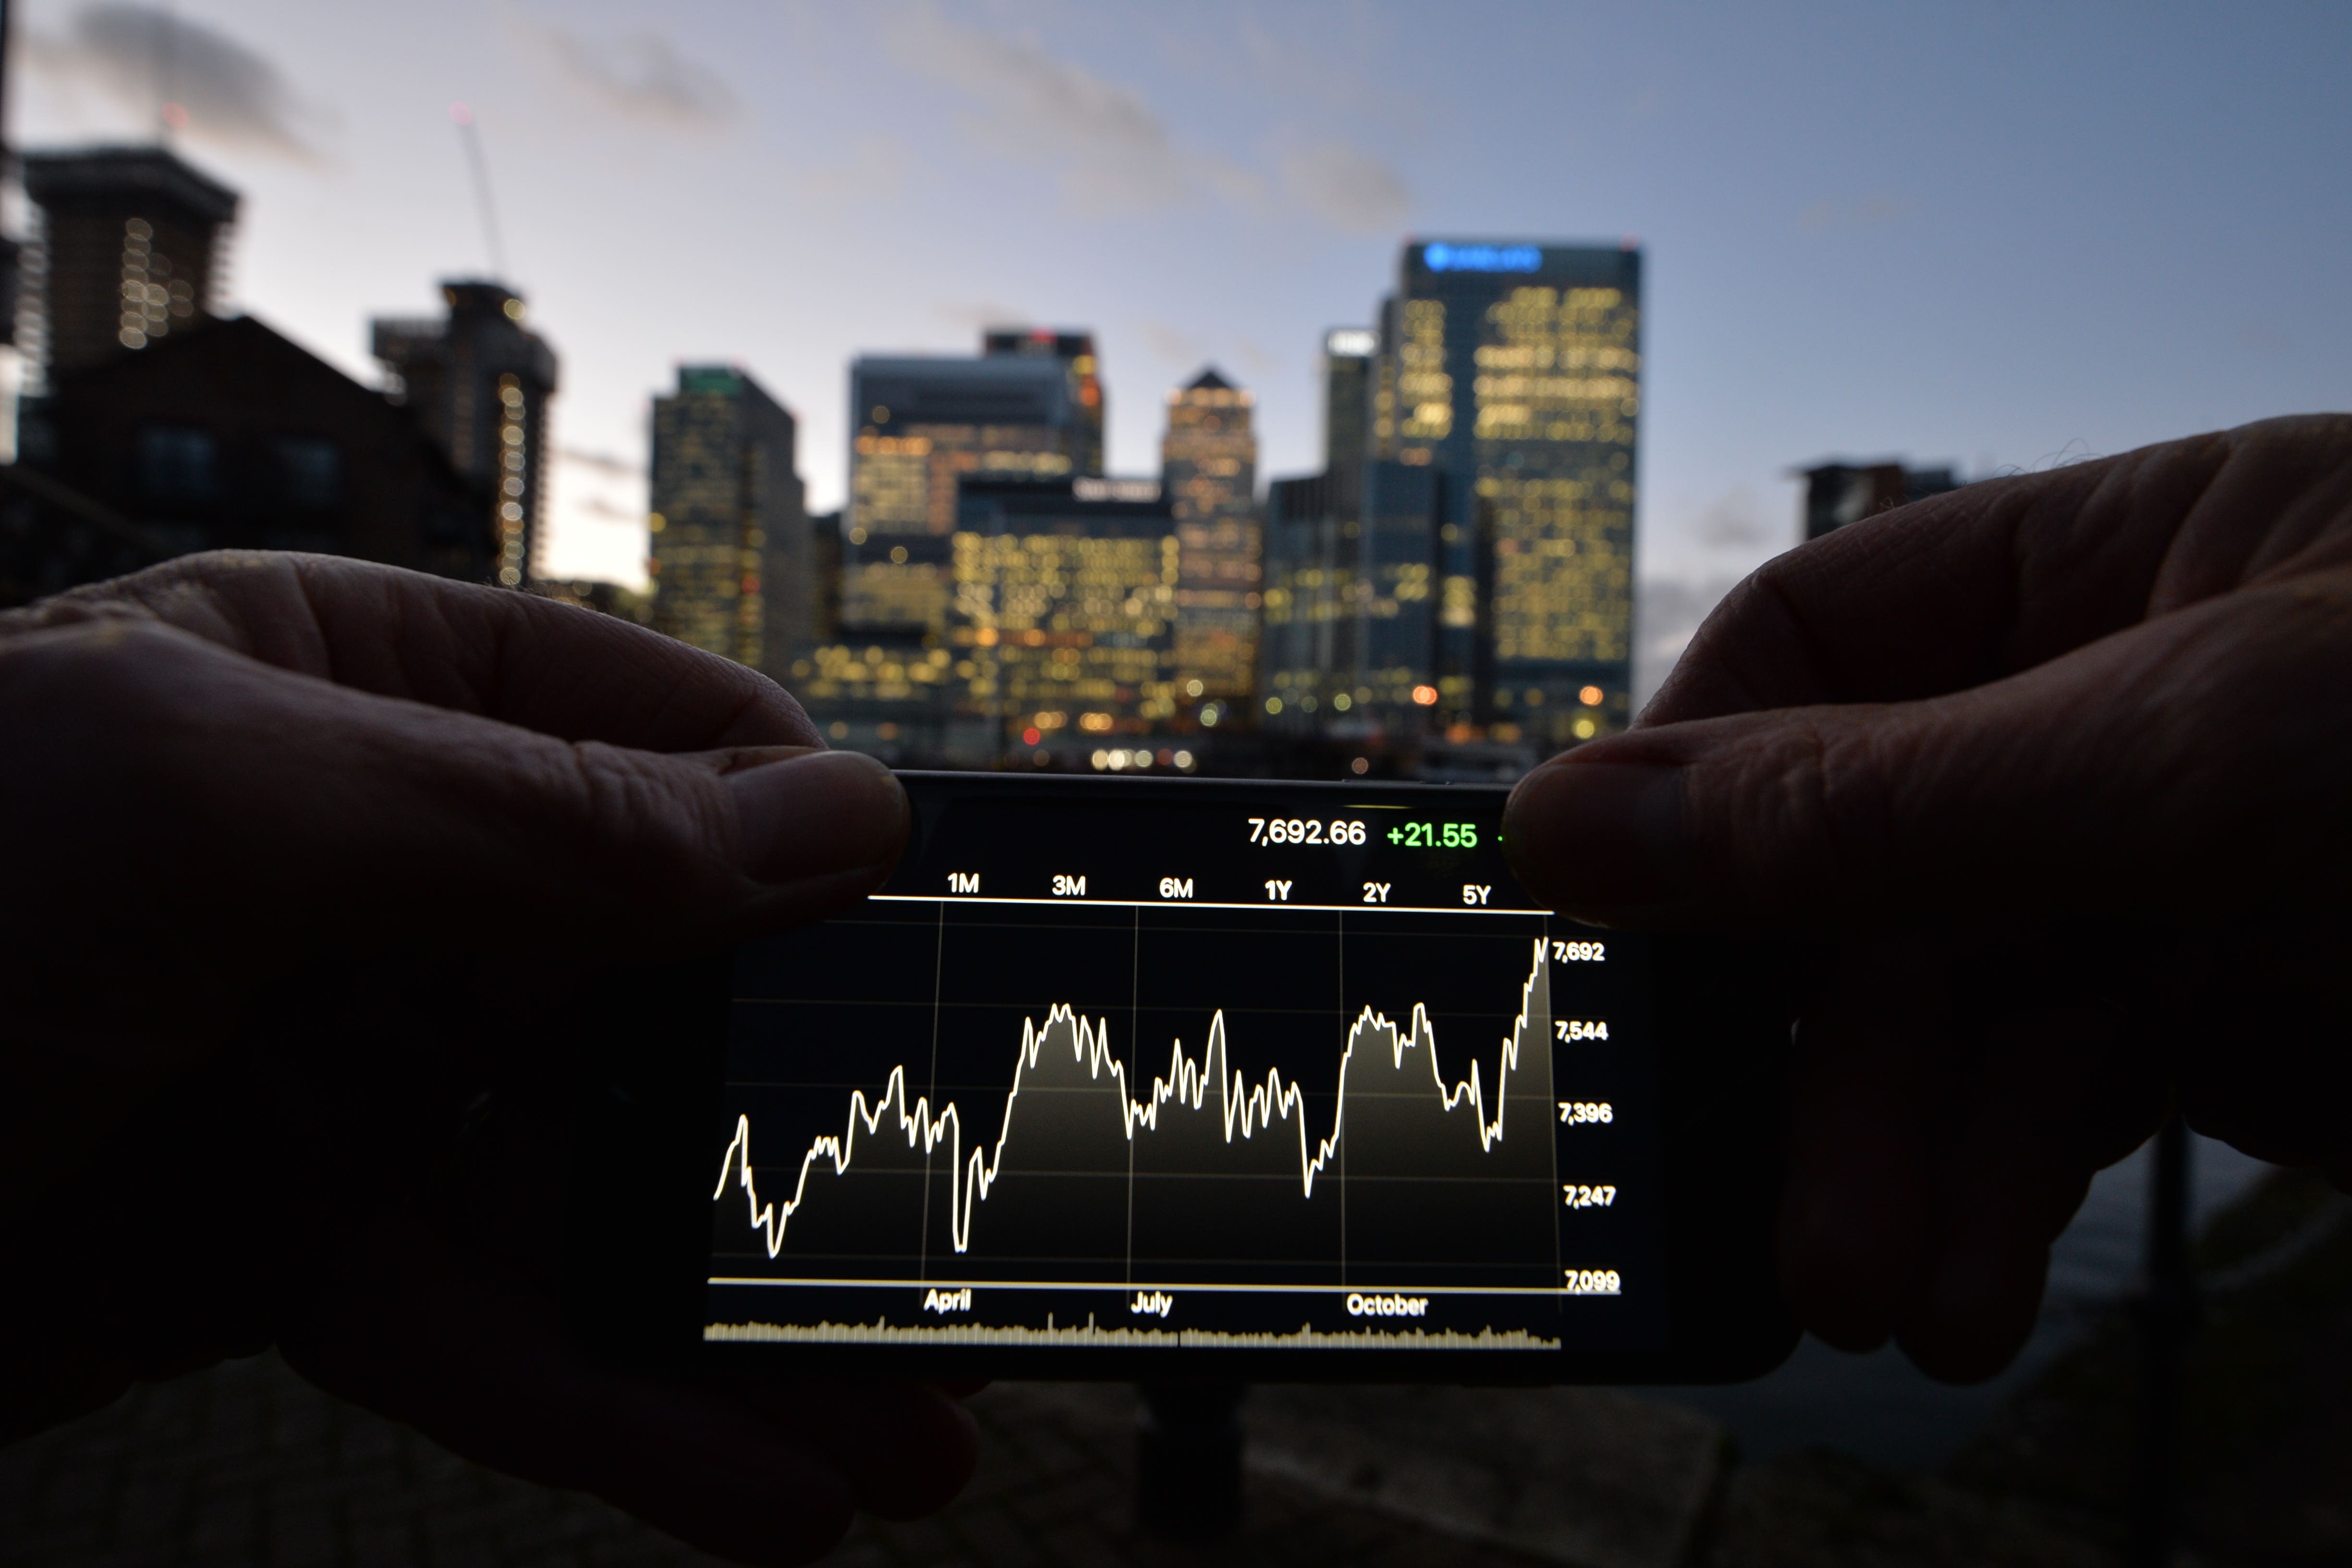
{"type": "Point", "coordinates": [1209, 466]}
{"type": "Point", "coordinates": [922, 423]}
{"type": "Point", "coordinates": [129, 248]}
{"type": "Point", "coordinates": [479, 382]}
{"type": "Point", "coordinates": [1309, 631]}
{"type": "Point", "coordinates": [732, 562]}
{"type": "Point", "coordinates": [1066, 609]}
{"type": "Point", "coordinates": [1060, 635]}
{"type": "Point", "coordinates": [1404, 519]}
{"type": "Point", "coordinates": [1513, 372]}
{"type": "Point", "coordinates": [1075, 351]}
{"type": "Point", "coordinates": [1311, 637]}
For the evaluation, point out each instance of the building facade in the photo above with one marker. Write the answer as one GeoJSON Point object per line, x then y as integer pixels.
{"type": "Point", "coordinates": [1309, 649]}
{"type": "Point", "coordinates": [1209, 468]}
{"type": "Point", "coordinates": [733, 563]}
{"type": "Point", "coordinates": [921, 425]}
{"type": "Point", "coordinates": [1310, 657]}
{"type": "Point", "coordinates": [1067, 607]}
{"type": "Point", "coordinates": [1076, 350]}
{"type": "Point", "coordinates": [1060, 635]}
{"type": "Point", "coordinates": [1350, 354]}
{"type": "Point", "coordinates": [227, 435]}
{"type": "Point", "coordinates": [479, 383]}
{"type": "Point", "coordinates": [131, 247]}
{"type": "Point", "coordinates": [1512, 372]}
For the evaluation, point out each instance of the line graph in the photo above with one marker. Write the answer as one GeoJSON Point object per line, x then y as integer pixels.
{"type": "Point", "coordinates": [1115, 1124]}
{"type": "Point", "coordinates": [1236, 1065]}
{"type": "Point", "coordinates": [1068, 1051]}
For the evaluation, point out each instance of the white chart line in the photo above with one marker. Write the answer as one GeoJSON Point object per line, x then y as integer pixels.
{"type": "Point", "coordinates": [1241, 1106]}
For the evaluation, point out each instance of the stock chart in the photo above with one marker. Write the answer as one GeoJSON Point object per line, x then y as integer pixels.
{"type": "Point", "coordinates": [1171, 1068]}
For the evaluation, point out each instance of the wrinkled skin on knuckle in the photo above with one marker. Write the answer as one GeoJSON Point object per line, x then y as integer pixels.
{"type": "Point", "coordinates": [663, 829]}
{"type": "Point", "coordinates": [2230, 743]}
{"type": "Point", "coordinates": [1797, 813]}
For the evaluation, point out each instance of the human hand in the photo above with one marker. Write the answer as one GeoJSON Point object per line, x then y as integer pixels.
{"type": "Point", "coordinates": [2057, 767]}
{"type": "Point", "coordinates": [310, 866]}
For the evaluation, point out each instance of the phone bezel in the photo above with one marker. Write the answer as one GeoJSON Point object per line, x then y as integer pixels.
{"type": "Point", "coordinates": [637, 1215]}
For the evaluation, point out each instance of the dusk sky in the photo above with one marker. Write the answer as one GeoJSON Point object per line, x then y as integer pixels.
{"type": "Point", "coordinates": [2003, 236]}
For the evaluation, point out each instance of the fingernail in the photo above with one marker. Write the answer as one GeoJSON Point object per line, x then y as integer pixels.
{"type": "Point", "coordinates": [818, 815]}
{"type": "Point", "coordinates": [1599, 839]}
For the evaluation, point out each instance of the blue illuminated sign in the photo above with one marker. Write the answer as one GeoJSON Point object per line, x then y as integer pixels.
{"type": "Point", "coordinates": [1482, 257]}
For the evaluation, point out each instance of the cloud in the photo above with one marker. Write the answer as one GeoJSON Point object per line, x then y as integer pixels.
{"type": "Point", "coordinates": [643, 78]}
{"type": "Point", "coordinates": [1346, 187]}
{"type": "Point", "coordinates": [1112, 152]}
{"type": "Point", "coordinates": [601, 463]}
{"type": "Point", "coordinates": [144, 58]}
{"type": "Point", "coordinates": [605, 511]}
{"type": "Point", "coordinates": [877, 167]}
{"type": "Point", "coordinates": [1861, 213]}
{"type": "Point", "coordinates": [1736, 521]}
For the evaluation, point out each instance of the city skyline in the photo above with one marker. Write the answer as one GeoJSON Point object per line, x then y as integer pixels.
{"type": "Point", "coordinates": [1994, 256]}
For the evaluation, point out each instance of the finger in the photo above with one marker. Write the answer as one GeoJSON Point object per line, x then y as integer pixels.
{"type": "Point", "coordinates": [1857, 1210]}
{"type": "Point", "coordinates": [2104, 784]}
{"type": "Point", "coordinates": [2250, 1019]}
{"type": "Point", "coordinates": [172, 775]}
{"type": "Point", "coordinates": [475, 1363]}
{"type": "Point", "coordinates": [2044, 1102]}
{"type": "Point", "coordinates": [2000, 575]}
{"type": "Point", "coordinates": [553, 667]}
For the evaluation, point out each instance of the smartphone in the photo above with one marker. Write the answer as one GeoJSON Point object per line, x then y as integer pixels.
{"type": "Point", "coordinates": [1128, 1078]}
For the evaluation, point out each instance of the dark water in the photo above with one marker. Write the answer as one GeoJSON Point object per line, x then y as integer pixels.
{"type": "Point", "coordinates": [1878, 1407]}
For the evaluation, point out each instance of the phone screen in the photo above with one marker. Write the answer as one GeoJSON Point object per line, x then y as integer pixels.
{"type": "Point", "coordinates": [1125, 1065]}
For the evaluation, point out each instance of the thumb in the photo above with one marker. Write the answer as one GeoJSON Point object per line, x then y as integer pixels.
{"type": "Point", "coordinates": [170, 786]}
{"type": "Point", "coordinates": [2176, 765]}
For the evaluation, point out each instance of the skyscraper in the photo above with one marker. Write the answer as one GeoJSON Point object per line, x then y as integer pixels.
{"type": "Point", "coordinates": [479, 382]}
{"type": "Point", "coordinates": [733, 562]}
{"type": "Point", "coordinates": [923, 423]}
{"type": "Point", "coordinates": [132, 246]}
{"type": "Point", "coordinates": [1405, 520]}
{"type": "Point", "coordinates": [1061, 629]}
{"type": "Point", "coordinates": [1349, 355]}
{"type": "Point", "coordinates": [1066, 609]}
{"type": "Point", "coordinates": [1310, 655]}
{"type": "Point", "coordinates": [1209, 468]}
{"type": "Point", "coordinates": [1309, 636]}
{"type": "Point", "coordinates": [1514, 371]}
{"type": "Point", "coordinates": [1076, 350]}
